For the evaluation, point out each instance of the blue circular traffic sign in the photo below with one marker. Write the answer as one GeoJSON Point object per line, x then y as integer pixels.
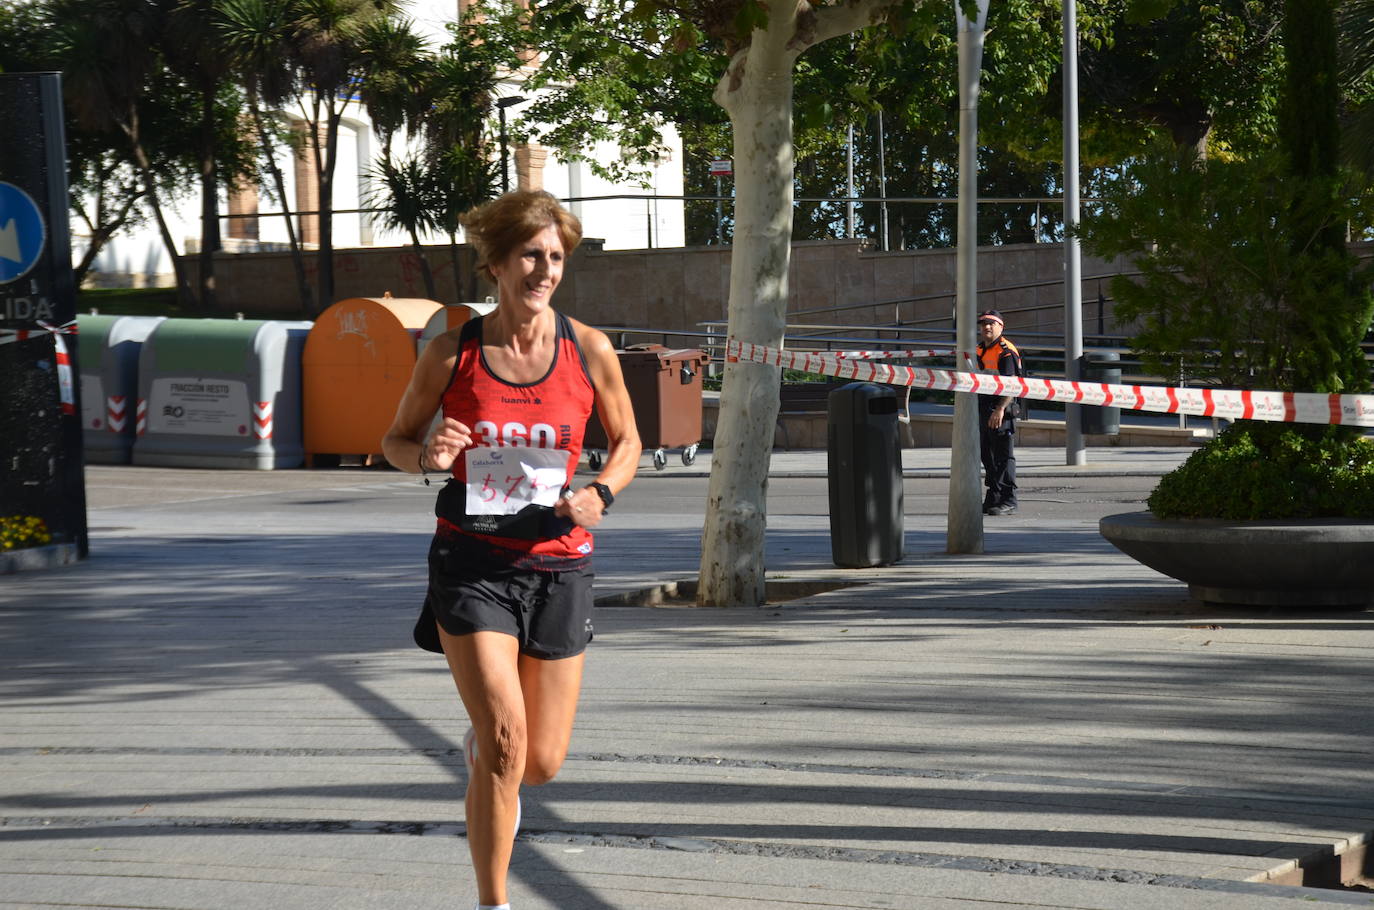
{"type": "Point", "coordinates": [23, 233]}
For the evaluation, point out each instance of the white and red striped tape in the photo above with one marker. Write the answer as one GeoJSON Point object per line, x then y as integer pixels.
{"type": "Point", "coordinates": [7, 336]}
{"type": "Point", "coordinates": [65, 386]}
{"type": "Point", "coordinates": [829, 363]}
{"type": "Point", "coordinates": [1234, 404]}
{"type": "Point", "coordinates": [884, 355]}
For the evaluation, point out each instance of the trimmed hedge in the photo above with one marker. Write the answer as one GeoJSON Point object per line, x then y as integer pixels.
{"type": "Point", "coordinates": [1270, 471]}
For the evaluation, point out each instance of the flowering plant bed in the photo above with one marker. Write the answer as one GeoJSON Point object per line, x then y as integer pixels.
{"type": "Point", "coordinates": [18, 532]}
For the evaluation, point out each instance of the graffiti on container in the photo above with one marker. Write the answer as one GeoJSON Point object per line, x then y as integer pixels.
{"type": "Point", "coordinates": [354, 322]}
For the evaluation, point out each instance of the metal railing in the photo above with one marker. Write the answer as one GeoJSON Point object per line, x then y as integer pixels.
{"type": "Point", "coordinates": [1045, 358]}
{"type": "Point", "coordinates": [669, 220]}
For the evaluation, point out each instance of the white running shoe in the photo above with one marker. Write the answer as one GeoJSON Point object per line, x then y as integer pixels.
{"type": "Point", "coordinates": [470, 750]}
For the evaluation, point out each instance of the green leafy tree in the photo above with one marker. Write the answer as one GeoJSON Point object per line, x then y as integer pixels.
{"type": "Point", "coordinates": [1251, 256]}
{"type": "Point", "coordinates": [1189, 71]}
{"type": "Point", "coordinates": [106, 194]}
{"type": "Point", "coordinates": [617, 71]}
{"type": "Point", "coordinates": [114, 80]}
{"type": "Point", "coordinates": [1232, 288]}
{"type": "Point", "coordinates": [1185, 69]}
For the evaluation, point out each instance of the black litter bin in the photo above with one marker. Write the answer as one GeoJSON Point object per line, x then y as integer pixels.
{"type": "Point", "coordinates": [1102, 366]}
{"type": "Point", "coordinates": [864, 457]}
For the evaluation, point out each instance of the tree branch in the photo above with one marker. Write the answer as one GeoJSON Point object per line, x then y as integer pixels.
{"type": "Point", "coordinates": [817, 23]}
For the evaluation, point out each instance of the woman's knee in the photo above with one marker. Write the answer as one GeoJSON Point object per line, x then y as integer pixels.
{"type": "Point", "coordinates": [542, 765]}
{"type": "Point", "coordinates": [503, 752]}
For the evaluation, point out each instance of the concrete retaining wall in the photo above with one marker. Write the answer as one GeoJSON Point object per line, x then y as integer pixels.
{"type": "Point", "coordinates": [678, 288]}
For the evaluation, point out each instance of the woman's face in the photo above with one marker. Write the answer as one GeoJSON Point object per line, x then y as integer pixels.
{"type": "Point", "coordinates": [528, 276]}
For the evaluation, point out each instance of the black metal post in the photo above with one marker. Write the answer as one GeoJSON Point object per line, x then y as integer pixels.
{"type": "Point", "coordinates": [41, 465]}
{"type": "Point", "coordinates": [505, 165]}
{"type": "Point", "coordinates": [501, 105]}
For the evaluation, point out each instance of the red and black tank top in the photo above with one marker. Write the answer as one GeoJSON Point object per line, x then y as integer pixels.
{"type": "Point", "coordinates": [549, 413]}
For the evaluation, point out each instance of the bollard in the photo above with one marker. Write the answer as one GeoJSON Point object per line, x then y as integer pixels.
{"type": "Point", "coordinates": [864, 458]}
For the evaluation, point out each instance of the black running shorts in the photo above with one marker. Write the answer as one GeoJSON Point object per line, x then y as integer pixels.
{"type": "Point", "coordinates": [549, 613]}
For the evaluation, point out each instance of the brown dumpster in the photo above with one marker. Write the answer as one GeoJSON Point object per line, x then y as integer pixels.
{"type": "Point", "coordinates": [665, 392]}
{"type": "Point", "coordinates": [356, 365]}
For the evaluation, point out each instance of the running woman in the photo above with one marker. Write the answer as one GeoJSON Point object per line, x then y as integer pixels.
{"type": "Point", "coordinates": [509, 602]}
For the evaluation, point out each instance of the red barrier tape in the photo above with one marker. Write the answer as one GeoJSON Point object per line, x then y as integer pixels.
{"type": "Point", "coordinates": [1231, 404]}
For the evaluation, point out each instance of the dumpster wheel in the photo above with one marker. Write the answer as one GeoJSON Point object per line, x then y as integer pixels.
{"type": "Point", "coordinates": [660, 460]}
{"type": "Point", "coordinates": [594, 460]}
{"type": "Point", "coordinates": [689, 454]}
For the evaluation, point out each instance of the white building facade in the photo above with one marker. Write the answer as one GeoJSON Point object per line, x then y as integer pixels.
{"type": "Point", "coordinates": [623, 215]}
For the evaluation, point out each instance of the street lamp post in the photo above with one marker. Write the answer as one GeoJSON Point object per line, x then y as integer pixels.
{"type": "Point", "coordinates": [501, 105]}
{"type": "Point", "coordinates": [965, 531]}
{"type": "Point", "coordinates": [849, 183]}
{"type": "Point", "coordinates": [882, 182]}
{"type": "Point", "coordinates": [1074, 451]}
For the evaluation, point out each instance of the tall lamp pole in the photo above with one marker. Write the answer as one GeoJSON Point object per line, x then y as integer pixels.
{"type": "Point", "coordinates": [501, 105]}
{"type": "Point", "coordinates": [848, 183]}
{"type": "Point", "coordinates": [965, 531]}
{"type": "Point", "coordinates": [1074, 451]}
{"type": "Point", "coordinates": [882, 182]}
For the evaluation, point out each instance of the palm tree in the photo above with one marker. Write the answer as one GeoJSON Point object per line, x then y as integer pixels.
{"type": "Point", "coordinates": [399, 62]}
{"type": "Point", "coordinates": [459, 99]}
{"type": "Point", "coordinates": [407, 193]}
{"type": "Point", "coordinates": [332, 60]}
{"type": "Point", "coordinates": [446, 101]}
{"type": "Point", "coordinates": [191, 50]}
{"type": "Point", "coordinates": [1355, 27]}
{"type": "Point", "coordinates": [256, 35]}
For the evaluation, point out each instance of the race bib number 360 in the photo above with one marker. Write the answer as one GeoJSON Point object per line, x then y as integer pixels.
{"type": "Point", "coordinates": [502, 481]}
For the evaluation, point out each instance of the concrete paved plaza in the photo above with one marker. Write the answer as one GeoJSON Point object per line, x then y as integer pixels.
{"type": "Point", "coordinates": [221, 708]}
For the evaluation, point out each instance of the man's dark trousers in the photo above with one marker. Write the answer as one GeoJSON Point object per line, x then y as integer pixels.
{"type": "Point", "coordinates": [997, 448]}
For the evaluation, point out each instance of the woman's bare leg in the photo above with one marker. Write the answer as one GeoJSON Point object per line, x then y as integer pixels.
{"type": "Point", "coordinates": [522, 711]}
{"type": "Point", "coordinates": [551, 689]}
{"type": "Point", "coordinates": [484, 666]}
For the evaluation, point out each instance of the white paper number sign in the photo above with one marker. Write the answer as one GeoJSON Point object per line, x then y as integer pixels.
{"type": "Point", "coordinates": [502, 481]}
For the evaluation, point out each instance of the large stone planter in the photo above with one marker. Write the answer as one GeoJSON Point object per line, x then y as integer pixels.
{"type": "Point", "coordinates": [47, 557]}
{"type": "Point", "coordinates": [1315, 562]}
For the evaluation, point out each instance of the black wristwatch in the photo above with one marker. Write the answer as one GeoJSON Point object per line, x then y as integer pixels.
{"type": "Point", "coordinates": [604, 492]}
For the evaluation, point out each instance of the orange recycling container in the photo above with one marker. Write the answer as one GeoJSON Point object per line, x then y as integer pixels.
{"type": "Point", "coordinates": [356, 365]}
{"type": "Point", "coordinates": [453, 316]}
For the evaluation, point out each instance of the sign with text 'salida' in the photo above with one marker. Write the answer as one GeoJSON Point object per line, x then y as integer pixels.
{"type": "Point", "coordinates": [40, 431]}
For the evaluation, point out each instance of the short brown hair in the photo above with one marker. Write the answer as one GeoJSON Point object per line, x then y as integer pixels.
{"type": "Point", "coordinates": [503, 224]}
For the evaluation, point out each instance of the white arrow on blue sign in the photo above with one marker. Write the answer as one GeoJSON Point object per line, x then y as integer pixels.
{"type": "Point", "coordinates": [23, 233]}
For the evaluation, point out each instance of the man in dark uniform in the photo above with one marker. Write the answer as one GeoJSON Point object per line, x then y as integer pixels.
{"type": "Point", "coordinates": [996, 418]}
